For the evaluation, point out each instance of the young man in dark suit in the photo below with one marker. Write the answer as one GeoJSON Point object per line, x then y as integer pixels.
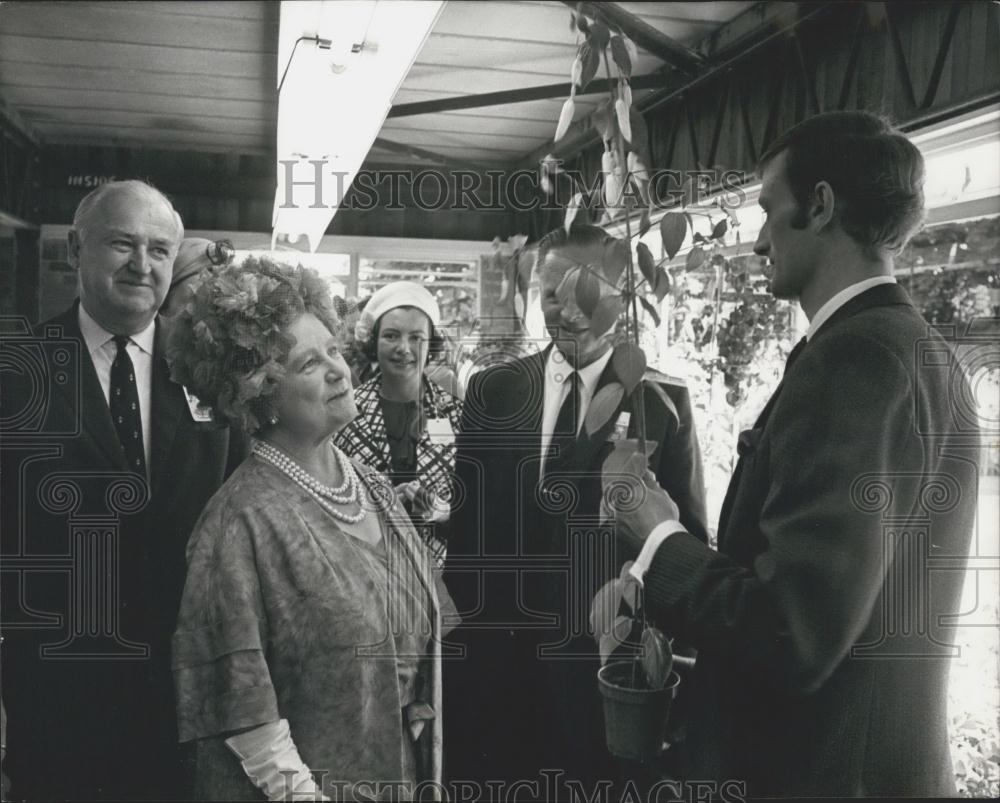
{"type": "Point", "coordinates": [107, 464]}
{"type": "Point", "coordinates": [821, 623]}
{"type": "Point", "coordinates": [528, 553]}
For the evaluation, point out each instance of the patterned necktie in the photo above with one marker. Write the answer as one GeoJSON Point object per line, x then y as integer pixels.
{"type": "Point", "coordinates": [564, 431]}
{"type": "Point", "coordinates": [124, 405]}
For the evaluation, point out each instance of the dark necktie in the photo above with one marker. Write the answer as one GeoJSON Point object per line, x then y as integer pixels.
{"type": "Point", "coordinates": [124, 405]}
{"type": "Point", "coordinates": [564, 431]}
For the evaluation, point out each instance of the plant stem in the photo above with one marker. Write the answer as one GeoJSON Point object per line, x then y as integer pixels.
{"type": "Point", "coordinates": [639, 406]}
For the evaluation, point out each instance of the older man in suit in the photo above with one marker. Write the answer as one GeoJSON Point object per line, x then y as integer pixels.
{"type": "Point", "coordinates": [822, 622]}
{"type": "Point", "coordinates": [527, 551]}
{"type": "Point", "coordinates": [107, 464]}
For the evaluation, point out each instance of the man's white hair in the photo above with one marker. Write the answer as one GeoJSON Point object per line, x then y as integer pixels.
{"type": "Point", "coordinates": [92, 201]}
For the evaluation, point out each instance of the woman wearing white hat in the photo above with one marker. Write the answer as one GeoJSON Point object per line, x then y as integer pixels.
{"type": "Point", "coordinates": [406, 424]}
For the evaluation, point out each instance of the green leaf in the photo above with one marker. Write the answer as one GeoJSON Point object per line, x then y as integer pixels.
{"type": "Point", "coordinates": [720, 228]}
{"type": "Point", "coordinates": [695, 258]}
{"type": "Point", "coordinates": [629, 364]}
{"type": "Point", "coordinates": [601, 119]}
{"type": "Point", "coordinates": [591, 58]}
{"type": "Point", "coordinates": [644, 223]}
{"type": "Point", "coordinates": [657, 658]}
{"type": "Point", "coordinates": [629, 588]}
{"type": "Point", "coordinates": [604, 608]}
{"type": "Point", "coordinates": [662, 286]}
{"type": "Point", "coordinates": [607, 312]}
{"type": "Point", "coordinates": [625, 459]}
{"type": "Point", "coordinates": [673, 229]}
{"type": "Point", "coordinates": [657, 388]}
{"type": "Point", "coordinates": [651, 310]}
{"type": "Point", "coordinates": [572, 210]}
{"type": "Point", "coordinates": [640, 134]}
{"type": "Point", "coordinates": [618, 637]}
{"type": "Point", "coordinates": [582, 24]}
{"type": "Point", "coordinates": [620, 54]}
{"type": "Point", "coordinates": [646, 264]}
{"type": "Point", "coordinates": [599, 35]}
{"type": "Point", "coordinates": [588, 291]}
{"type": "Point", "coordinates": [603, 406]}
{"type": "Point", "coordinates": [614, 259]}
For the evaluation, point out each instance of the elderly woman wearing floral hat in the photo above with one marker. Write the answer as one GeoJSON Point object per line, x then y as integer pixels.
{"type": "Point", "coordinates": [307, 652]}
{"type": "Point", "coordinates": [406, 424]}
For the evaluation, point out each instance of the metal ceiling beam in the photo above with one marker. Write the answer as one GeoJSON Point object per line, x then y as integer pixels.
{"type": "Point", "coordinates": [544, 92]}
{"type": "Point", "coordinates": [425, 155]}
{"type": "Point", "coordinates": [644, 35]}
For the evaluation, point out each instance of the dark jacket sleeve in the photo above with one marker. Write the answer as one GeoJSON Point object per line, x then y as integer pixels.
{"type": "Point", "coordinates": [792, 613]}
{"type": "Point", "coordinates": [679, 471]}
{"type": "Point", "coordinates": [465, 525]}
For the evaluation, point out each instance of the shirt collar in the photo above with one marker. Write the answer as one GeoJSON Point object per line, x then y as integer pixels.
{"type": "Point", "coordinates": [823, 313]}
{"type": "Point", "coordinates": [96, 336]}
{"type": "Point", "coordinates": [557, 369]}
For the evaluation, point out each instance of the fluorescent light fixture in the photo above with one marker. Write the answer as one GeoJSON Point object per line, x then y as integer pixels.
{"type": "Point", "coordinates": [340, 63]}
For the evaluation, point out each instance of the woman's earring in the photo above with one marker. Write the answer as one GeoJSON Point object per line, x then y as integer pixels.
{"type": "Point", "coordinates": [273, 420]}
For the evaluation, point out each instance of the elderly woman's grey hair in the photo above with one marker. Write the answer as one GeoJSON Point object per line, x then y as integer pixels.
{"type": "Point", "coordinates": [92, 202]}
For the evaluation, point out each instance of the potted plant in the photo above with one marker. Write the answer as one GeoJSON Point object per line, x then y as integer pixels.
{"type": "Point", "coordinates": [636, 679]}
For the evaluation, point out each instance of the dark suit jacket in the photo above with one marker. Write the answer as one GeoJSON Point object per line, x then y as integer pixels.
{"type": "Point", "coordinates": [523, 566]}
{"type": "Point", "coordinates": [93, 568]}
{"type": "Point", "coordinates": [822, 645]}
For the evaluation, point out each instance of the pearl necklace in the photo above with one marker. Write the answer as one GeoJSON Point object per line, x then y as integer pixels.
{"type": "Point", "coordinates": [324, 494]}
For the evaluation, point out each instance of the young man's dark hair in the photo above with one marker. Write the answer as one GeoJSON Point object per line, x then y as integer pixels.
{"type": "Point", "coordinates": [876, 174]}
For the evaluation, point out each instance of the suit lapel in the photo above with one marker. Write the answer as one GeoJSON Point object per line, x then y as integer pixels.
{"type": "Point", "coordinates": [881, 295]}
{"type": "Point", "coordinates": [91, 406]}
{"type": "Point", "coordinates": [168, 405]}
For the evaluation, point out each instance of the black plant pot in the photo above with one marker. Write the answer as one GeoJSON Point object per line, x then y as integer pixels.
{"type": "Point", "coordinates": [635, 720]}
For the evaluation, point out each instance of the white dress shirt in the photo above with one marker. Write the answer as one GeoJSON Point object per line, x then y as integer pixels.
{"type": "Point", "coordinates": [667, 528]}
{"type": "Point", "coordinates": [557, 371]}
{"type": "Point", "coordinates": [836, 302]}
{"type": "Point", "coordinates": [102, 349]}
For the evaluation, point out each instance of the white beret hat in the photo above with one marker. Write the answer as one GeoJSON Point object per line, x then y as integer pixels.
{"type": "Point", "coordinates": [390, 297]}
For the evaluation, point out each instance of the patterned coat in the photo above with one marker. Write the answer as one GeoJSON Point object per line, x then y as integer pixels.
{"type": "Point", "coordinates": [365, 440]}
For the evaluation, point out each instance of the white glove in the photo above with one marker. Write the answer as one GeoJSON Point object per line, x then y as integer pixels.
{"type": "Point", "coordinates": [271, 760]}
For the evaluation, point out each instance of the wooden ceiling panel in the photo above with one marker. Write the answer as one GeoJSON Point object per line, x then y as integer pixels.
{"type": "Point", "coordinates": [73, 53]}
{"type": "Point", "coordinates": [202, 75]}
{"type": "Point", "coordinates": [131, 23]}
{"type": "Point", "coordinates": [151, 84]}
{"type": "Point", "coordinates": [467, 123]}
{"type": "Point", "coordinates": [149, 138]}
{"type": "Point", "coordinates": [483, 51]}
{"type": "Point", "coordinates": [444, 141]}
{"type": "Point", "coordinates": [68, 101]}
{"type": "Point", "coordinates": [259, 127]}
{"type": "Point", "coordinates": [514, 22]}
{"type": "Point", "coordinates": [225, 9]}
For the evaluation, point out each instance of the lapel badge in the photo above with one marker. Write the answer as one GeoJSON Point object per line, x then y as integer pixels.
{"type": "Point", "coordinates": [200, 413]}
{"type": "Point", "coordinates": [620, 430]}
{"type": "Point", "coordinates": [439, 431]}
